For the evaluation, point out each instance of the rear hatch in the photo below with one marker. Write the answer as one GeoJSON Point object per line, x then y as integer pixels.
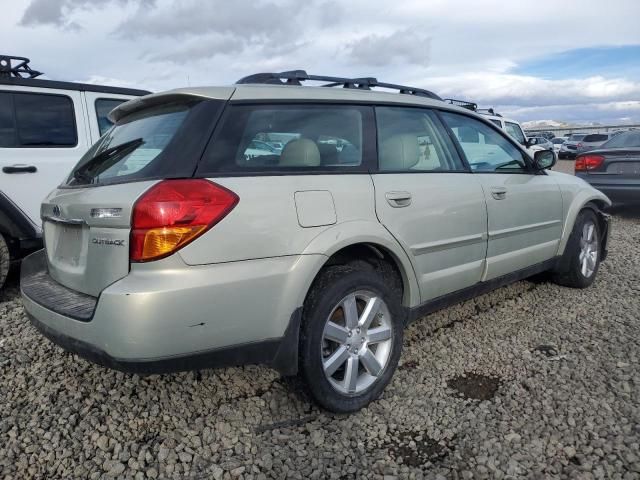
{"type": "Point", "coordinates": [87, 220]}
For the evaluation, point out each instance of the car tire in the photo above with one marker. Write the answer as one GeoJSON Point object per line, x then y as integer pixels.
{"type": "Point", "coordinates": [581, 259]}
{"type": "Point", "coordinates": [5, 261]}
{"type": "Point", "coordinates": [347, 364]}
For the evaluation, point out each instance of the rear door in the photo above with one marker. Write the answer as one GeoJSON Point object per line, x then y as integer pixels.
{"type": "Point", "coordinates": [429, 201]}
{"type": "Point", "coordinates": [42, 135]}
{"type": "Point", "coordinates": [524, 207]}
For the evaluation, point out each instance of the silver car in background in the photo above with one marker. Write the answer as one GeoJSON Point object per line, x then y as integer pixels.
{"type": "Point", "coordinates": [569, 148]}
{"type": "Point", "coordinates": [169, 247]}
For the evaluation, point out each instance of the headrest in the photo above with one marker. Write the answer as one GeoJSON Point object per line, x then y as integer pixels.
{"type": "Point", "coordinates": [300, 153]}
{"type": "Point", "coordinates": [399, 152]}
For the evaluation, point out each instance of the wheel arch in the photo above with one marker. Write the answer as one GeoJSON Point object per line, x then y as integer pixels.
{"type": "Point", "coordinates": [591, 199]}
{"type": "Point", "coordinates": [361, 240]}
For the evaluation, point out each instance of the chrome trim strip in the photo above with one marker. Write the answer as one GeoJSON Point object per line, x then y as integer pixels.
{"type": "Point", "coordinates": [423, 248]}
{"type": "Point", "coordinates": [522, 229]}
{"type": "Point", "coordinates": [64, 221]}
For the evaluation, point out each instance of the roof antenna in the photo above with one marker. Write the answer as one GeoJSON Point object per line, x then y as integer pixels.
{"type": "Point", "coordinates": [17, 67]}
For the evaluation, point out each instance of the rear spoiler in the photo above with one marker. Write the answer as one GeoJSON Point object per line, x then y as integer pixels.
{"type": "Point", "coordinates": [141, 103]}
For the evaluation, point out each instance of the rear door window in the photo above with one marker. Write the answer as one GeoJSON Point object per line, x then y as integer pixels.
{"type": "Point", "coordinates": [271, 138]}
{"type": "Point", "coordinates": [8, 134]}
{"type": "Point", "coordinates": [37, 120]}
{"type": "Point", "coordinates": [103, 107]}
{"type": "Point", "coordinates": [413, 140]}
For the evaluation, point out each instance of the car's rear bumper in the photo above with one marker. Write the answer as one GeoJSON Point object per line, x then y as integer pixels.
{"type": "Point", "coordinates": [180, 318]}
{"type": "Point", "coordinates": [627, 193]}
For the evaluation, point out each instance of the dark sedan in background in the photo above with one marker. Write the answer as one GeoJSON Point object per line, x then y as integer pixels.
{"type": "Point", "coordinates": [614, 168]}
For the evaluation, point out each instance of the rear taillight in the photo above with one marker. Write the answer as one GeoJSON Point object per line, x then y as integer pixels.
{"type": "Point", "coordinates": [173, 213]}
{"type": "Point", "coordinates": [588, 162]}
{"type": "Point", "coordinates": [579, 145]}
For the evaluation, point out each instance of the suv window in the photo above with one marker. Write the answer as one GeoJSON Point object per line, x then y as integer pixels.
{"type": "Point", "coordinates": [411, 139]}
{"type": "Point", "coordinates": [486, 150]}
{"type": "Point", "coordinates": [576, 137]}
{"type": "Point", "coordinates": [496, 122]}
{"type": "Point", "coordinates": [313, 137]}
{"type": "Point", "coordinates": [103, 107]}
{"type": "Point", "coordinates": [37, 120]}
{"type": "Point", "coordinates": [515, 131]}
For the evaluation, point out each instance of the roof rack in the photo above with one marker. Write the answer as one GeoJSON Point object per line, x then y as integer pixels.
{"type": "Point", "coordinates": [11, 66]}
{"type": "Point", "coordinates": [488, 111]}
{"type": "Point", "coordinates": [462, 103]}
{"type": "Point", "coordinates": [296, 77]}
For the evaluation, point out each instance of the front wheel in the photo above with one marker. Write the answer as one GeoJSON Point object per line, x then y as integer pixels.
{"type": "Point", "coordinates": [581, 259]}
{"type": "Point", "coordinates": [351, 337]}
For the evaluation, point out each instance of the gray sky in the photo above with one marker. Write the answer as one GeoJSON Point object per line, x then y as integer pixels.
{"type": "Point", "coordinates": [533, 60]}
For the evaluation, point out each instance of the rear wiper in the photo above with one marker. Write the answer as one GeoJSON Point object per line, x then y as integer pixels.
{"type": "Point", "coordinates": [106, 159]}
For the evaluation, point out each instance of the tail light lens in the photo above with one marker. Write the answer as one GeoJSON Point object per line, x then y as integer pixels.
{"type": "Point", "coordinates": [173, 213]}
{"type": "Point", "coordinates": [579, 145]}
{"type": "Point", "coordinates": [588, 162]}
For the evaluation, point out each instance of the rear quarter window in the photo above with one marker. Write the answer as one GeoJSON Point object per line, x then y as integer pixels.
{"type": "Point", "coordinates": [103, 107]}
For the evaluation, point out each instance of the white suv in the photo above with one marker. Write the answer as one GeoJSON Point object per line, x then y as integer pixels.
{"type": "Point", "coordinates": [45, 127]}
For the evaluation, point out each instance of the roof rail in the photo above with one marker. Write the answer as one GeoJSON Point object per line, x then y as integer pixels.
{"type": "Point", "coordinates": [296, 77]}
{"type": "Point", "coordinates": [462, 103]}
{"type": "Point", "coordinates": [11, 66]}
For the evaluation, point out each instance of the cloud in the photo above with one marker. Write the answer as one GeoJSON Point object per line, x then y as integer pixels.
{"type": "Point", "coordinates": [407, 46]}
{"type": "Point", "coordinates": [491, 54]}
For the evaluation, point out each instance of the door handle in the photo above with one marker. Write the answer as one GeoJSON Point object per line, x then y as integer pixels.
{"type": "Point", "coordinates": [499, 193]}
{"type": "Point", "coordinates": [19, 169]}
{"type": "Point", "coordinates": [398, 199]}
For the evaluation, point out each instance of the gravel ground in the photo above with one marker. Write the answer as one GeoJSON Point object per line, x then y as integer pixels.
{"type": "Point", "coordinates": [530, 381]}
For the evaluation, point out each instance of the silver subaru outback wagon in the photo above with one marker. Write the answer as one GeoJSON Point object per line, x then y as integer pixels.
{"type": "Point", "coordinates": [302, 227]}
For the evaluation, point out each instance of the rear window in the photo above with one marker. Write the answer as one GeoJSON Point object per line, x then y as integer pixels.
{"type": "Point", "coordinates": [577, 137]}
{"type": "Point", "coordinates": [595, 137]}
{"type": "Point", "coordinates": [36, 120]}
{"type": "Point", "coordinates": [159, 142]}
{"type": "Point", "coordinates": [271, 138]}
{"type": "Point", "coordinates": [558, 141]}
{"type": "Point", "coordinates": [624, 140]}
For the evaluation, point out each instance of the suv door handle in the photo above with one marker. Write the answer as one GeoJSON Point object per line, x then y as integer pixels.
{"type": "Point", "coordinates": [398, 199]}
{"type": "Point", "coordinates": [19, 169]}
{"type": "Point", "coordinates": [499, 193]}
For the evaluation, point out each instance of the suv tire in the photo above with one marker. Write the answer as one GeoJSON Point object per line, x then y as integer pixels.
{"type": "Point", "coordinates": [365, 345]}
{"type": "Point", "coordinates": [581, 259]}
{"type": "Point", "coordinates": [5, 260]}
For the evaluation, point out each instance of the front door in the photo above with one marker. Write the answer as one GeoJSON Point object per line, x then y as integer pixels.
{"type": "Point", "coordinates": [524, 207]}
{"type": "Point", "coordinates": [429, 202]}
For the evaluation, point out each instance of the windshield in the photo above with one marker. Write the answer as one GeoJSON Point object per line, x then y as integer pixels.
{"type": "Point", "coordinates": [624, 140]}
{"type": "Point", "coordinates": [558, 141]}
{"type": "Point", "coordinates": [130, 148]}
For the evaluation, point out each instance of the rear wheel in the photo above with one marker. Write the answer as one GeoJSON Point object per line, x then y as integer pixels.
{"type": "Point", "coordinates": [581, 259]}
{"type": "Point", "coordinates": [351, 337]}
{"type": "Point", "coordinates": [5, 261]}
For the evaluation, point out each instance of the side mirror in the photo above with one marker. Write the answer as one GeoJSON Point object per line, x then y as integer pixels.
{"type": "Point", "coordinates": [544, 159]}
